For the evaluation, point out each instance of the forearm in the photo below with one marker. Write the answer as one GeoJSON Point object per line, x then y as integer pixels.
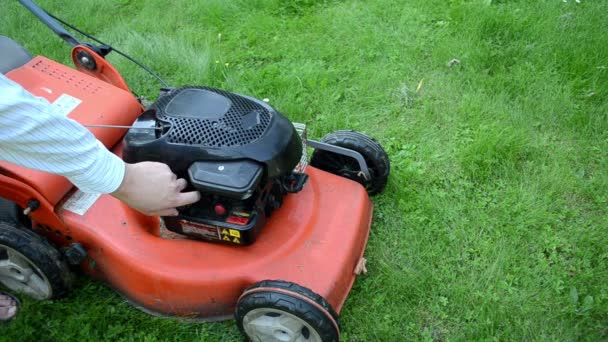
{"type": "Point", "coordinates": [35, 136]}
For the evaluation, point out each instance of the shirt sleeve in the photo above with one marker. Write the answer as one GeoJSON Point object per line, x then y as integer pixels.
{"type": "Point", "coordinates": [34, 135]}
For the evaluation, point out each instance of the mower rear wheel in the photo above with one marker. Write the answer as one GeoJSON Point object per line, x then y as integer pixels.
{"type": "Point", "coordinates": [345, 166]}
{"type": "Point", "coordinates": [277, 311]}
{"type": "Point", "coordinates": [30, 265]}
{"type": "Point", "coordinates": [9, 211]}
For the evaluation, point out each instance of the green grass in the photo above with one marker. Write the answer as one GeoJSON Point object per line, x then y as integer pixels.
{"type": "Point", "coordinates": [493, 224]}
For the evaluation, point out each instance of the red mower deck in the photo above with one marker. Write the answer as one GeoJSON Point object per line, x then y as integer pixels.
{"type": "Point", "coordinates": [318, 249]}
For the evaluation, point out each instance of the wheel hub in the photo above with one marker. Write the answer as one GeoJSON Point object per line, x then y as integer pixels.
{"type": "Point", "coordinates": [19, 274]}
{"type": "Point", "coordinates": [271, 325]}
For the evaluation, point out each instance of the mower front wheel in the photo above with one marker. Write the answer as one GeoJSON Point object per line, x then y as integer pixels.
{"type": "Point", "coordinates": [342, 165]}
{"type": "Point", "coordinates": [30, 265]}
{"type": "Point", "coordinates": [274, 311]}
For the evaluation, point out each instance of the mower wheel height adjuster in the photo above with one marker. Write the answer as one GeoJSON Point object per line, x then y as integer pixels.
{"type": "Point", "coordinates": [86, 60]}
{"type": "Point", "coordinates": [32, 205]}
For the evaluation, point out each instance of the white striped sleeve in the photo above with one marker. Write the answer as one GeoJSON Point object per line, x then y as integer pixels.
{"type": "Point", "coordinates": [33, 135]}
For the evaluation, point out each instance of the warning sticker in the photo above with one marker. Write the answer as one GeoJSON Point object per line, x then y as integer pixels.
{"type": "Point", "coordinates": [80, 202]}
{"type": "Point", "coordinates": [235, 233]}
{"type": "Point", "coordinates": [241, 221]}
{"type": "Point", "coordinates": [236, 240]}
{"type": "Point", "coordinates": [226, 238]}
{"type": "Point", "coordinates": [65, 104]}
{"type": "Point", "coordinates": [202, 230]}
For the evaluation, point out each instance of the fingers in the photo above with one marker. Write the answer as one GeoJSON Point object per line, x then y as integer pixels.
{"type": "Point", "coordinates": [165, 212]}
{"type": "Point", "coordinates": [154, 190]}
{"type": "Point", "coordinates": [181, 184]}
{"type": "Point", "coordinates": [186, 198]}
{"type": "Point", "coordinates": [181, 199]}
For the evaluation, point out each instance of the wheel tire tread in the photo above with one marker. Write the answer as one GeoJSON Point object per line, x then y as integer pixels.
{"type": "Point", "coordinates": [282, 301]}
{"type": "Point", "coordinates": [297, 289]}
{"type": "Point", "coordinates": [40, 252]}
{"type": "Point", "coordinates": [363, 143]}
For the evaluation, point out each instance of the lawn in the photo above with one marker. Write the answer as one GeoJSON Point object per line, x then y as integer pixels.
{"type": "Point", "coordinates": [493, 225]}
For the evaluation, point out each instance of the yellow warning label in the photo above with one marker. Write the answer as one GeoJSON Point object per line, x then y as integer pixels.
{"type": "Point", "coordinates": [236, 240]}
{"type": "Point", "coordinates": [235, 233]}
{"type": "Point", "coordinates": [226, 238]}
{"type": "Point", "coordinates": [224, 232]}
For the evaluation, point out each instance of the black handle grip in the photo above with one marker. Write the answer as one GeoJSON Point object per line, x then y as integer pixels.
{"type": "Point", "coordinates": [50, 22]}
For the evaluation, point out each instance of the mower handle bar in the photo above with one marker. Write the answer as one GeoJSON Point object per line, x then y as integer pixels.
{"type": "Point", "coordinates": [50, 22]}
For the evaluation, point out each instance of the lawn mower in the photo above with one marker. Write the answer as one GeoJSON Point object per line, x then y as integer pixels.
{"type": "Point", "coordinates": [275, 242]}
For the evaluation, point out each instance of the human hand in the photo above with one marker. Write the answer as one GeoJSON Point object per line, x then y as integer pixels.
{"type": "Point", "coordinates": [153, 189]}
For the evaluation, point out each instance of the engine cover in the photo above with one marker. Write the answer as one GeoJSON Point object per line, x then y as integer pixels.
{"type": "Point", "coordinates": [237, 151]}
{"type": "Point", "coordinates": [200, 123]}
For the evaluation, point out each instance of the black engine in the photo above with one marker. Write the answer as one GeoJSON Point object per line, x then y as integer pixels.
{"type": "Point", "coordinates": [237, 151]}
